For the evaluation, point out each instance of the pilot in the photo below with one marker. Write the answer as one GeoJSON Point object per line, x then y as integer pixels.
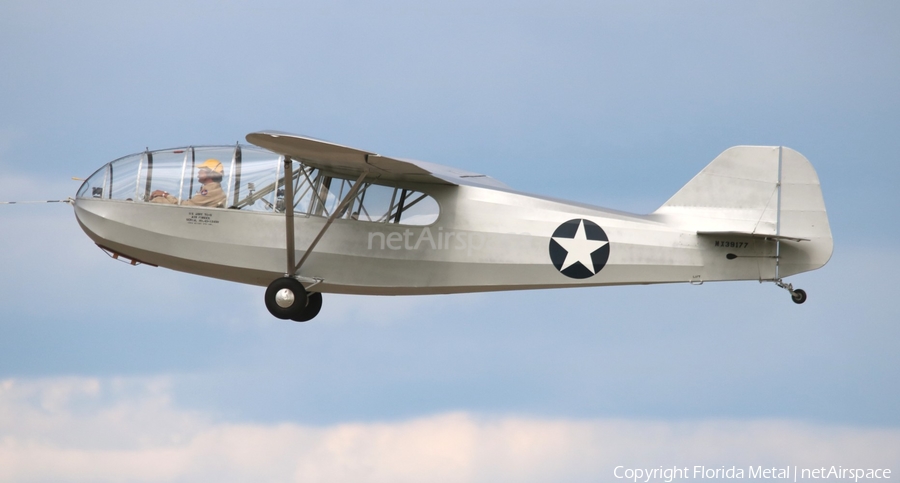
{"type": "Point", "coordinates": [209, 174]}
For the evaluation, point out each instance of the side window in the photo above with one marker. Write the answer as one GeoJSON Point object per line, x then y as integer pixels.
{"type": "Point", "coordinates": [161, 170]}
{"type": "Point", "coordinates": [122, 177]}
{"type": "Point", "coordinates": [373, 202]}
{"type": "Point", "coordinates": [417, 209]}
{"type": "Point", "coordinates": [256, 181]}
{"type": "Point", "coordinates": [259, 183]}
{"type": "Point", "coordinates": [95, 185]}
{"type": "Point", "coordinates": [223, 158]}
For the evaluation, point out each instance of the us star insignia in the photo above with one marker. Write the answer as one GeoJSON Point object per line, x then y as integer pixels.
{"type": "Point", "coordinates": [579, 248]}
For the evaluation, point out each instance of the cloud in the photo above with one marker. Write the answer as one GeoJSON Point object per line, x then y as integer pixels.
{"type": "Point", "coordinates": [130, 429]}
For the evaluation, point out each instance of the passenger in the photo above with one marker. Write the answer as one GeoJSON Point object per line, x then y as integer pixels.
{"type": "Point", "coordinates": [209, 175]}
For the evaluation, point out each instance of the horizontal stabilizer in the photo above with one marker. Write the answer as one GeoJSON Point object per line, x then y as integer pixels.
{"type": "Point", "coordinates": [756, 235]}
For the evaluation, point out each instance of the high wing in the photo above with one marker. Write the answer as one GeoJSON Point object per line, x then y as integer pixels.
{"type": "Point", "coordinates": [352, 162]}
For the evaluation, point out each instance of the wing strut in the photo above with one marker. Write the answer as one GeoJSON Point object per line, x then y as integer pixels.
{"type": "Point", "coordinates": [337, 212]}
{"type": "Point", "coordinates": [289, 214]}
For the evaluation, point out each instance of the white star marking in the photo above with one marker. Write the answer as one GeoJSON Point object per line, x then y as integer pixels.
{"type": "Point", "coordinates": [579, 249]}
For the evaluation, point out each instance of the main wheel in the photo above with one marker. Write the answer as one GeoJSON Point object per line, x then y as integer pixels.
{"type": "Point", "coordinates": [313, 306]}
{"type": "Point", "coordinates": [798, 296]}
{"type": "Point", "coordinates": [286, 298]}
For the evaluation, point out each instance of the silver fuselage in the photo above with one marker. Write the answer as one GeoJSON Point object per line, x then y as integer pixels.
{"type": "Point", "coordinates": [484, 240]}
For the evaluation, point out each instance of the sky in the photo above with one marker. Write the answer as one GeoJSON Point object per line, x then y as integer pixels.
{"type": "Point", "coordinates": [110, 372]}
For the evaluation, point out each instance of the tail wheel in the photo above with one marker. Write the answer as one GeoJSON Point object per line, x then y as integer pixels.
{"type": "Point", "coordinates": [798, 296]}
{"type": "Point", "coordinates": [313, 306]}
{"type": "Point", "coordinates": [286, 298]}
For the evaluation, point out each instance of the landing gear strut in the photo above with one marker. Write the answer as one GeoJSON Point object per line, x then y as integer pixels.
{"type": "Point", "coordinates": [287, 299]}
{"type": "Point", "coordinates": [797, 295]}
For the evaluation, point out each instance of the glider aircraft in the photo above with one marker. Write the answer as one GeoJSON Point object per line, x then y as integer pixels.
{"type": "Point", "coordinates": [304, 217]}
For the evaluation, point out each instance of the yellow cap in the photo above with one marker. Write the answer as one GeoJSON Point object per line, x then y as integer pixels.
{"type": "Point", "coordinates": [212, 165]}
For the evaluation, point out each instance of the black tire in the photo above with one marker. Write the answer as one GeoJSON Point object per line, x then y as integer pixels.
{"type": "Point", "coordinates": [297, 290]}
{"type": "Point", "coordinates": [798, 296]}
{"type": "Point", "coordinates": [313, 306]}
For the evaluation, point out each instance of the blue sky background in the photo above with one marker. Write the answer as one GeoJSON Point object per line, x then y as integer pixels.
{"type": "Point", "coordinates": [617, 104]}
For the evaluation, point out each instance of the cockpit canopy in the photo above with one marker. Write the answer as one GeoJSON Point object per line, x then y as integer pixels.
{"type": "Point", "coordinates": [253, 180]}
